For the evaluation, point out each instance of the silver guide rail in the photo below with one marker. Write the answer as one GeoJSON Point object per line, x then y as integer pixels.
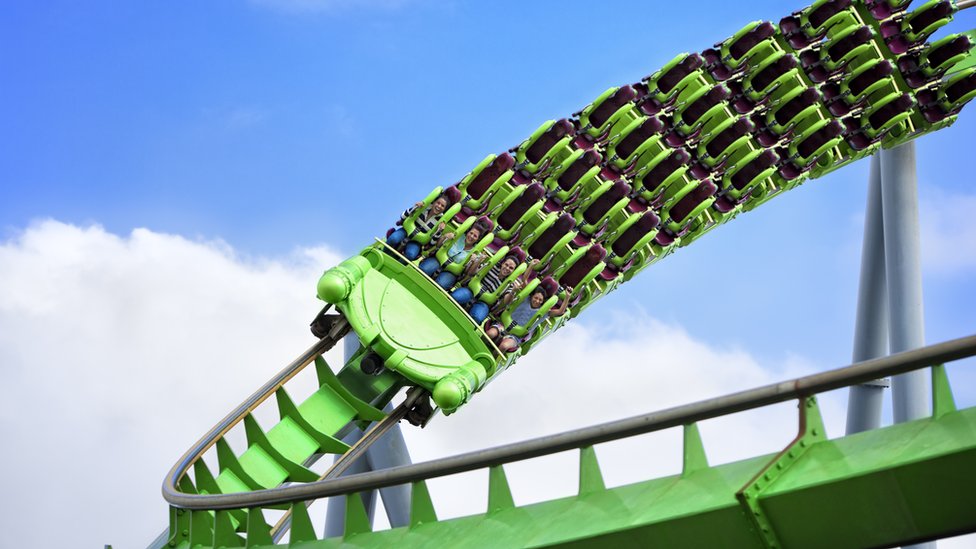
{"type": "Point", "coordinates": [588, 436]}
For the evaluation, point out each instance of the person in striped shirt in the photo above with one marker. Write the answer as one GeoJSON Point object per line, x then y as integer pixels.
{"type": "Point", "coordinates": [428, 220]}
{"type": "Point", "coordinates": [490, 283]}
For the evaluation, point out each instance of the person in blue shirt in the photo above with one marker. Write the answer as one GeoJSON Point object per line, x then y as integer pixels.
{"type": "Point", "coordinates": [459, 252]}
{"type": "Point", "coordinates": [523, 314]}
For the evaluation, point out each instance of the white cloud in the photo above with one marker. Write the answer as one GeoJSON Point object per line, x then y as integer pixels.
{"type": "Point", "coordinates": [119, 352]}
{"type": "Point", "coordinates": [116, 354]}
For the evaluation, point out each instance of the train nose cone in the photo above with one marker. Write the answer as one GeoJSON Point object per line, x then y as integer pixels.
{"type": "Point", "coordinates": [333, 287]}
{"type": "Point", "coordinates": [449, 393]}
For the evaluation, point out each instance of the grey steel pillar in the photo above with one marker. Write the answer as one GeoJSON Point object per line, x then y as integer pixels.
{"type": "Point", "coordinates": [388, 451]}
{"type": "Point", "coordinates": [906, 329]}
{"type": "Point", "coordinates": [871, 328]}
{"type": "Point", "coordinates": [903, 267]}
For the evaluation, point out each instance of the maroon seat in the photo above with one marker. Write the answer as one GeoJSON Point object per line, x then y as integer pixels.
{"type": "Point", "coordinates": [544, 243]}
{"type": "Point", "coordinates": [960, 88]}
{"type": "Point", "coordinates": [795, 106]}
{"type": "Point", "coordinates": [647, 129]}
{"type": "Point", "coordinates": [750, 171]}
{"type": "Point", "coordinates": [774, 70]}
{"type": "Point", "coordinates": [869, 77]}
{"type": "Point", "coordinates": [714, 65]}
{"type": "Point", "coordinates": [548, 139]}
{"type": "Point", "coordinates": [665, 168]}
{"type": "Point", "coordinates": [549, 285]}
{"type": "Point", "coordinates": [881, 116]}
{"type": "Point", "coordinates": [815, 140]}
{"type": "Point", "coordinates": [533, 193]}
{"type": "Point", "coordinates": [726, 137]}
{"type": "Point", "coordinates": [602, 205]}
{"type": "Point", "coordinates": [578, 271]}
{"type": "Point", "coordinates": [627, 239]}
{"type": "Point", "coordinates": [825, 11]}
{"type": "Point", "coordinates": [919, 22]}
{"type": "Point", "coordinates": [698, 109]}
{"type": "Point", "coordinates": [705, 190]}
{"type": "Point", "coordinates": [946, 52]}
{"type": "Point", "coordinates": [842, 47]}
{"type": "Point", "coordinates": [617, 99]}
{"type": "Point", "coordinates": [686, 66]}
{"type": "Point", "coordinates": [577, 169]}
{"type": "Point", "coordinates": [742, 46]}
{"type": "Point", "coordinates": [790, 28]}
{"type": "Point", "coordinates": [483, 181]}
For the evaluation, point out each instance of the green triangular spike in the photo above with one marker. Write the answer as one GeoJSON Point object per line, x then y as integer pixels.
{"type": "Point", "coordinates": [257, 437]}
{"type": "Point", "coordinates": [499, 494]}
{"type": "Point", "coordinates": [224, 535]}
{"type": "Point", "coordinates": [301, 524]}
{"type": "Point", "coordinates": [421, 507]}
{"type": "Point", "coordinates": [204, 478]}
{"type": "Point", "coordinates": [357, 522]}
{"type": "Point", "coordinates": [590, 476]}
{"type": "Point", "coordinates": [201, 528]}
{"type": "Point", "coordinates": [694, 458]}
{"type": "Point", "coordinates": [186, 485]}
{"type": "Point", "coordinates": [942, 400]}
{"type": "Point", "coordinates": [811, 422]}
{"type": "Point", "coordinates": [227, 460]}
{"type": "Point", "coordinates": [258, 531]}
{"type": "Point", "coordinates": [327, 377]}
{"type": "Point", "coordinates": [327, 443]}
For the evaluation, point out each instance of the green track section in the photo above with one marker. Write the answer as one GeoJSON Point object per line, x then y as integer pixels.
{"type": "Point", "coordinates": [906, 482]}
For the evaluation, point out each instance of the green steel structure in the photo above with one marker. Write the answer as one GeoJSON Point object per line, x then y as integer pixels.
{"type": "Point", "coordinates": [584, 204]}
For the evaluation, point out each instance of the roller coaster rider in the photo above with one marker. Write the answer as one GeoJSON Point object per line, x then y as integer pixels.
{"type": "Point", "coordinates": [459, 252]}
{"type": "Point", "coordinates": [522, 314]}
{"type": "Point", "coordinates": [425, 222]}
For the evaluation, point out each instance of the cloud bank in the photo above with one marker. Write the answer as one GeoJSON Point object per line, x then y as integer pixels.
{"type": "Point", "coordinates": [118, 352]}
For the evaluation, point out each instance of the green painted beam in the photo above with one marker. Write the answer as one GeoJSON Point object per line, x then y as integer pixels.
{"type": "Point", "coordinates": [889, 486]}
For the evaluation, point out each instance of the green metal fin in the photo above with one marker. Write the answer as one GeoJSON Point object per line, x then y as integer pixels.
{"type": "Point", "coordinates": [201, 528]}
{"type": "Point", "coordinates": [224, 535]}
{"type": "Point", "coordinates": [694, 458]}
{"type": "Point", "coordinates": [287, 408]}
{"type": "Point", "coordinates": [590, 476]}
{"type": "Point", "coordinates": [204, 478]}
{"type": "Point", "coordinates": [255, 436]}
{"type": "Point", "coordinates": [421, 506]}
{"type": "Point", "coordinates": [301, 525]}
{"type": "Point", "coordinates": [942, 400]}
{"type": "Point", "coordinates": [327, 377]}
{"type": "Point", "coordinates": [499, 494]}
{"type": "Point", "coordinates": [357, 522]}
{"type": "Point", "coordinates": [227, 460]}
{"type": "Point", "coordinates": [258, 531]}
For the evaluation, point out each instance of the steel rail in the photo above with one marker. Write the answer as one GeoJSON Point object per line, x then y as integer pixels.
{"type": "Point", "coordinates": [196, 451]}
{"type": "Point", "coordinates": [672, 417]}
{"type": "Point", "coordinates": [964, 4]}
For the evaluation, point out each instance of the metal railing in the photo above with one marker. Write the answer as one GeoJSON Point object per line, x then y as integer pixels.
{"type": "Point", "coordinates": [588, 436]}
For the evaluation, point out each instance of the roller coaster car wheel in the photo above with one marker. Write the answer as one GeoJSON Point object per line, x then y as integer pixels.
{"type": "Point", "coordinates": [421, 412]}
{"type": "Point", "coordinates": [371, 364]}
{"type": "Point", "coordinates": [322, 324]}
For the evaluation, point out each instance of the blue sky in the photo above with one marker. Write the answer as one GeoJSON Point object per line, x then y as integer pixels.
{"type": "Point", "coordinates": [281, 125]}
{"type": "Point", "coordinates": [278, 124]}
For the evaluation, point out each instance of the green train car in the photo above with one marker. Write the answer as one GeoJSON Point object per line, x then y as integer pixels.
{"type": "Point", "coordinates": [587, 202]}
